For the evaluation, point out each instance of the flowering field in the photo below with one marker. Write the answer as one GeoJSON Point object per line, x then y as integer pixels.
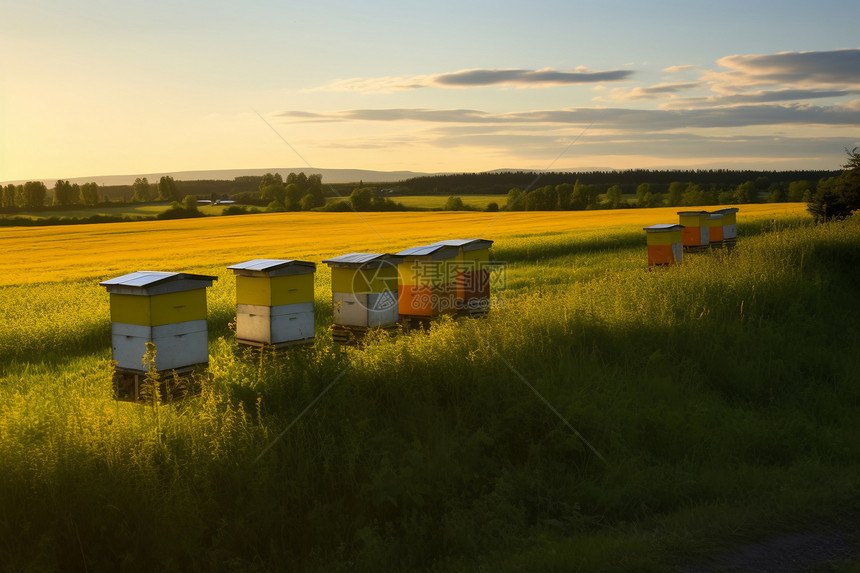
{"type": "Point", "coordinates": [602, 417]}
{"type": "Point", "coordinates": [57, 253]}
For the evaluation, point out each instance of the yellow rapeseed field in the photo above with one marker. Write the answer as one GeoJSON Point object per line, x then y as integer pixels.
{"type": "Point", "coordinates": [60, 253]}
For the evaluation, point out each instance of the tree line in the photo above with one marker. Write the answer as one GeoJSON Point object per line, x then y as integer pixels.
{"type": "Point", "coordinates": [499, 183]}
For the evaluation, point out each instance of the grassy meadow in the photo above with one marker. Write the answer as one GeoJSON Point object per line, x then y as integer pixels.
{"type": "Point", "coordinates": [722, 396]}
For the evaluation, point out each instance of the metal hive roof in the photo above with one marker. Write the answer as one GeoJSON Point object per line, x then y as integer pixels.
{"type": "Point", "coordinates": [144, 279]}
{"type": "Point", "coordinates": [357, 258]}
{"type": "Point", "coordinates": [269, 264]}
{"type": "Point", "coordinates": [467, 244]}
{"type": "Point", "coordinates": [663, 227]}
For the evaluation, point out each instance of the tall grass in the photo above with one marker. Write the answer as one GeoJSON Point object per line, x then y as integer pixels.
{"type": "Point", "coordinates": [722, 394]}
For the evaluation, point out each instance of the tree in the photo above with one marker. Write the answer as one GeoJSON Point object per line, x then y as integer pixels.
{"type": "Point", "coordinates": [34, 193]}
{"type": "Point", "coordinates": [838, 197]}
{"type": "Point", "coordinates": [745, 192]}
{"type": "Point", "coordinates": [614, 197]}
{"type": "Point", "coordinates": [167, 190]}
{"type": "Point", "coordinates": [311, 201]}
{"type": "Point", "coordinates": [360, 198]}
{"type": "Point", "coordinates": [189, 203]}
{"type": "Point", "coordinates": [454, 204]}
{"type": "Point", "coordinates": [796, 189]}
{"type": "Point", "coordinates": [676, 193]}
{"type": "Point", "coordinates": [89, 193]}
{"type": "Point", "coordinates": [141, 192]}
{"type": "Point", "coordinates": [564, 192]}
{"type": "Point", "coordinates": [270, 179]}
{"type": "Point", "coordinates": [514, 202]}
{"type": "Point", "coordinates": [292, 198]}
{"type": "Point", "coordinates": [642, 190]}
{"type": "Point", "coordinates": [273, 192]}
{"type": "Point", "coordinates": [7, 198]}
{"type": "Point", "coordinates": [65, 193]}
{"type": "Point", "coordinates": [693, 195]}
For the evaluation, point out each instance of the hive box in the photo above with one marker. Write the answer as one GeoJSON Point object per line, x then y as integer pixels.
{"type": "Point", "coordinates": [427, 280]}
{"type": "Point", "coordinates": [715, 228]}
{"type": "Point", "coordinates": [472, 273]}
{"type": "Point", "coordinates": [274, 302]}
{"type": "Point", "coordinates": [364, 289]}
{"type": "Point", "coordinates": [729, 223]}
{"type": "Point", "coordinates": [695, 235]}
{"type": "Point", "coordinates": [664, 244]}
{"type": "Point", "coordinates": [167, 309]}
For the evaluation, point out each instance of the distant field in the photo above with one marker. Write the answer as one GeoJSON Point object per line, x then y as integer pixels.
{"type": "Point", "coordinates": [438, 202]}
{"type": "Point", "coordinates": [118, 211]}
{"type": "Point", "coordinates": [36, 254]}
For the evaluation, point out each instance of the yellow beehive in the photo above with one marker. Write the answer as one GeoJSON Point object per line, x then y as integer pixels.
{"type": "Point", "coordinates": [695, 235]}
{"type": "Point", "coordinates": [275, 302]}
{"type": "Point", "coordinates": [729, 222]}
{"type": "Point", "coordinates": [364, 289]}
{"type": "Point", "coordinates": [167, 309]}
{"type": "Point", "coordinates": [664, 244]}
{"type": "Point", "coordinates": [428, 280]}
{"type": "Point", "coordinates": [472, 274]}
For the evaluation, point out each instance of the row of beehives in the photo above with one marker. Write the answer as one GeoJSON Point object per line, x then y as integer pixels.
{"type": "Point", "coordinates": [695, 231]}
{"type": "Point", "coordinates": [275, 300]}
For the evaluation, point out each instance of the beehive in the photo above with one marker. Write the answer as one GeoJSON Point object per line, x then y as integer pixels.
{"type": "Point", "coordinates": [428, 280]}
{"type": "Point", "coordinates": [715, 229]}
{"type": "Point", "coordinates": [695, 235]}
{"type": "Point", "coordinates": [472, 274]}
{"type": "Point", "coordinates": [364, 289]}
{"type": "Point", "coordinates": [730, 223]}
{"type": "Point", "coordinates": [167, 309]}
{"type": "Point", "coordinates": [275, 302]}
{"type": "Point", "coordinates": [664, 244]}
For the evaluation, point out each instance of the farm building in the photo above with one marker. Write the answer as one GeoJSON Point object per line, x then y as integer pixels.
{"type": "Point", "coordinates": [730, 224]}
{"type": "Point", "coordinates": [167, 309]}
{"type": "Point", "coordinates": [275, 302]}
{"type": "Point", "coordinates": [695, 235]}
{"type": "Point", "coordinates": [427, 280]}
{"type": "Point", "coordinates": [664, 244]}
{"type": "Point", "coordinates": [472, 274]}
{"type": "Point", "coordinates": [364, 292]}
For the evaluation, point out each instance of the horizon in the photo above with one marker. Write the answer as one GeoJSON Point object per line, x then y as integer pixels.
{"type": "Point", "coordinates": [163, 88]}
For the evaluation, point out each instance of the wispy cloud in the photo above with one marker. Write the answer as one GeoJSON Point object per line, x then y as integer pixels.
{"type": "Point", "coordinates": [834, 67]}
{"type": "Point", "coordinates": [611, 118]}
{"type": "Point", "coordinates": [479, 77]}
{"type": "Point", "coordinates": [656, 91]}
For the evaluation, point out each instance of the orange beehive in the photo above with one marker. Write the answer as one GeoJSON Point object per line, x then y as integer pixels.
{"type": "Point", "coordinates": [664, 244]}
{"type": "Point", "coordinates": [715, 229]}
{"type": "Point", "coordinates": [427, 281]}
{"type": "Point", "coordinates": [730, 223]}
{"type": "Point", "coordinates": [473, 274]}
{"type": "Point", "coordinates": [695, 235]}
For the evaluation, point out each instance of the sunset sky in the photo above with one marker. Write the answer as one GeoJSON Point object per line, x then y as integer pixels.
{"type": "Point", "coordinates": [101, 87]}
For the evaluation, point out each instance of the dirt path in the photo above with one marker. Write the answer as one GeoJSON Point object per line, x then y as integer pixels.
{"type": "Point", "coordinates": [825, 547]}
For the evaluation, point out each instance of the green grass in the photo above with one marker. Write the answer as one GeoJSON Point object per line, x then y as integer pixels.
{"type": "Point", "coordinates": [124, 210]}
{"type": "Point", "coordinates": [438, 202]}
{"type": "Point", "coordinates": [723, 395]}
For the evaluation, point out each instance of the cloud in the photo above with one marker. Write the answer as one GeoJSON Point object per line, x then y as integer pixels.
{"type": "Point", "coordinates": [623, 119]}
{"type": "Point", "coordinates": [656, 91]}
{"type": "Point", "coordinates": [544, 77]}
{"type": "Point", "coordinates": [479, 77]}
{"type": "Point", "coordinates": [810, 70]}
{"type": "Point", "coordinates": [771, 96]}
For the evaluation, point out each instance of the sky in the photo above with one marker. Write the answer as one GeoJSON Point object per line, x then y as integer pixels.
{"type": "Point", "coordinates": [101, 87]}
